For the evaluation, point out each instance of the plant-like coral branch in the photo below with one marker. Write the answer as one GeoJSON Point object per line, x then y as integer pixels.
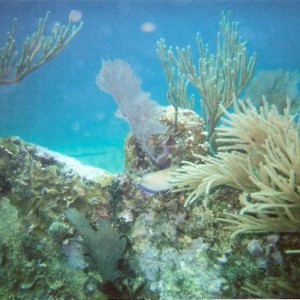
{"type": "Point", "coordinates": [177, 94]}
{"type": "Point", "coordinates": [260, 155]}
{"type": "Point", "coordinates": [37, 50]}
{"type": "Point", "coordinates": [216, 77]}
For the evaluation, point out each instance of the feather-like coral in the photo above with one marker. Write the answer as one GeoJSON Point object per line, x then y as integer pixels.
{"type": "Point", "coordinates": [259, 155]}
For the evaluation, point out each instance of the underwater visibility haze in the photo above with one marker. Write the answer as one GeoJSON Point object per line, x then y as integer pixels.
{"type": "Point", "coordinates": [149, 149]}
{"type": "Point", "coordinates": [60, 107]}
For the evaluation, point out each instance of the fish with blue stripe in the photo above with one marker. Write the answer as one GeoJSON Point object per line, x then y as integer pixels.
{"type": "Point", "coordinates": [159, 181]}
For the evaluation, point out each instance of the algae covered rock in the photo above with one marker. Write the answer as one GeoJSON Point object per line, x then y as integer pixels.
{"type": "Point", "coordinates": [36, 186]}
{"type": "Point", "coordinates": [171, 252]}
{"type": "Point", "coordinates": [180, 141]}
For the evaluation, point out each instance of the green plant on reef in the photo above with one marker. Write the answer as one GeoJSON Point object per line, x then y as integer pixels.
{"type": "Point", "coordinates": [37, 50]}
{"type": "Point", "coordinates": [177, 93]}
{"type": "Point", "coordinates": [215, 77]}
{"type": "Point", "coordinates": [104, 245]}
{"type": "Point", "coordinates": [259, 155]}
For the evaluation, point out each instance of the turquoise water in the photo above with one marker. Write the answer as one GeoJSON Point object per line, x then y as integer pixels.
{"type": "Point", "coordinates": [59, 106]}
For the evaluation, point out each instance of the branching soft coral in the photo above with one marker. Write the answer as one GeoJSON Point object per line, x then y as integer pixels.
{"type": "Point", "coordinates": [38, 49]}
{"type": "Point", "coordinates": [216, 77]}
{"type": "Point", "coordinates": [259, 155]}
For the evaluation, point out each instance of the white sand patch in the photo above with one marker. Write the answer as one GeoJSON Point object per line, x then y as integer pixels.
{"type": "Point", "coordinates": [69, 165]}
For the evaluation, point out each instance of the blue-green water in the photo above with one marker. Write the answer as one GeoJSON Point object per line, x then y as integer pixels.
{"type": "Point", "coordinates": [60, 107]}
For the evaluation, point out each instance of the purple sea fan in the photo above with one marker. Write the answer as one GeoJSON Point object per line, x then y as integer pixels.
{"type": "Point", "coordinates": [135, 106]}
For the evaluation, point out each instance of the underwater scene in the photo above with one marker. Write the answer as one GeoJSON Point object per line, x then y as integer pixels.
{"type": "Point", "coordinates": [149, 149]}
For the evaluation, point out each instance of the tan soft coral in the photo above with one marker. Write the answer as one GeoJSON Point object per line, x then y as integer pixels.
{"type": "Point", "coordinates": [259, 155]}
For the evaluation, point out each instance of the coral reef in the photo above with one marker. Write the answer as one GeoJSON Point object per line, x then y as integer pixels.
{"type": "Point", "coordinates": [172, 252]}
{"type": "Point", "coordinates": [77, 232]}
{"type": "Point", "coordinates": [36, 186]}
{"type": "Point", "coordinates": [188, 137]}
{"type": "Point", "coordinates": [173, 268]}
{"type": "Point", "coordinates": [259, 156]}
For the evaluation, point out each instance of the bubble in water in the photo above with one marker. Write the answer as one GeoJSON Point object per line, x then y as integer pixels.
{"type": "Point", "coordinates": [75, 16]}
{"type": "Point", "coordinates": [148, 27]}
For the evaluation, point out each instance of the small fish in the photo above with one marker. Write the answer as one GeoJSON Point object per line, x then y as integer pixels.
{"type": "Point", "coordinates": [155, 182]}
